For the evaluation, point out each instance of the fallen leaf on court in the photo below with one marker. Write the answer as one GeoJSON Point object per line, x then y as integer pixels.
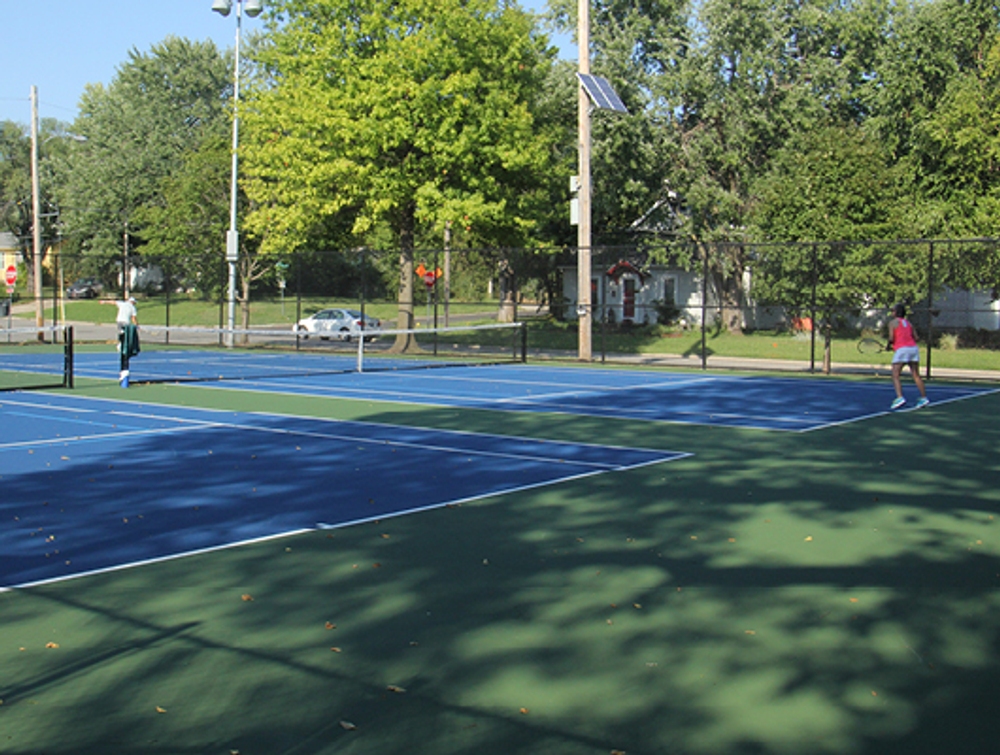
{"type": "Point", "coordinates": [52, 645]}
{"type": "Point", "coordinates": [749, 631]}
{"type": "Point", "coordinates": [809, 539]}
{"type": "Point", "coordinates": [330, 625]}
{"type": "Point", "coordinates": [637, 605]}
{"type": "Point", "coordinates": [335, 649]}
{"type": "Point", "coordinates": [347, 726]}
{"type": "Point", "coordinates": [874, 693]}
{"type": "Point", "coordinates": [732, 539]}
{"type": "Point", "coordinates": [524, 711]}
{"type": "Point", "coordinates": [618, 752]}
{"type": "Point", "coordinates": [385, 536]}
{"type": "Point", "coordinates": [160, 710]}
{"type": "Point", "coordinates": [394, 688]}
{"type": "Point", "coordinates": [246, 597]}
{"type": "Point", "coordinates": [694, 537]}
{"type": "Point", "coordinates": [376, 565]}
{"type": "Point", "coordinates": [853, 600]}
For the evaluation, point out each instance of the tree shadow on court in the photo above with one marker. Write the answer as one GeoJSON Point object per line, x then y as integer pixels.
{"type": "Point", "coordinates": [829, 592]}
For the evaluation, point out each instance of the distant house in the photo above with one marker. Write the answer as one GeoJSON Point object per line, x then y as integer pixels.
{"type": "Point", "coordinates": [10, 250]}
{"type": "Point", "coordinates": [625, 293]}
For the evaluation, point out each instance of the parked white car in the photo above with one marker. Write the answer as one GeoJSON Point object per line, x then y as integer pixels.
{"type": "Point", "coordinates": [339, 324]}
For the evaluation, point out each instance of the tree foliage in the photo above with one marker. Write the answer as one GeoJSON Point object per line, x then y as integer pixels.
{"type": "Point", "coordinates": [160, 105]}
{"type": "Point", "coordinates": [406, 115]}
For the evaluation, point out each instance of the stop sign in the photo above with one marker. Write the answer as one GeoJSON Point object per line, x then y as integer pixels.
{"type": "Point", "coordinates": [10, 275]}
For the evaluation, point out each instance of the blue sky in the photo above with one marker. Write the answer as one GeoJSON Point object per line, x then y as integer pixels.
{"type": "Point", "coordinates": [60, 46]}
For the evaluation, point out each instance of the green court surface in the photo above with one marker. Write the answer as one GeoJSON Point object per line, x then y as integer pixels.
{"type": "Point", "coordinates": [830, 592]}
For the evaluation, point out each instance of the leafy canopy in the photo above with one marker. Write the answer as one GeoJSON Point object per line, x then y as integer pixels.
{"type": "Point", "coordinates": [409, 114]}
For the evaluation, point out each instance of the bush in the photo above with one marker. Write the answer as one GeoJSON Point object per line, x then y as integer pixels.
{"type": "Point", "coordinates": [947, 342]}
{"type": "Point", "coordinates": [979, 338]}
{"type": "Point", "coordinates": [666, 312]}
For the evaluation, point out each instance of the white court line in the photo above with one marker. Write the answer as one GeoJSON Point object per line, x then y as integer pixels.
{"type": "Point", "coordinates": [402, 444]}
{"type": "Point", "coordinates": [323, 526]}
{"type": "Point", "coordinates": [197, 424]}
{"type": "Point", "coordinates": [157, 560]}
{"type": "Point", "coordinates": [89, 438]}
{"type": "Point", "coordinates": [904, 410]}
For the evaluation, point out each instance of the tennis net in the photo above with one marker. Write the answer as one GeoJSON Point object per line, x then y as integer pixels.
{"type": "Point", "coordinates": [39, 357]}
{"type": "Point", "coordinates": [186, 354]}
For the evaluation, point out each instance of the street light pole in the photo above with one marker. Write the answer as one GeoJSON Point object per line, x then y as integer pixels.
{"type": "Point", "coordinates": [253, 9]}
{"type": "Point", "coordinates": [36, 220]}
{"type": "Point", "coordinates": [585, 309]}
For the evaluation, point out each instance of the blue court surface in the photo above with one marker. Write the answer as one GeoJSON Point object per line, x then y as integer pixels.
{"type": "Point", "coordinates": [790, 404]}
{"type": "Point", "coordinates": [89, 484]}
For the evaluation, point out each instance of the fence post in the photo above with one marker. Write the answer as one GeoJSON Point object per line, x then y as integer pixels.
{"type": "Point", "coordinates": [812, 313]}
{"type": "Point", "coordinates": [704, 306]}
{"type": "Point", "coordinates": [297, 260]}
{"type": "Point", "coordinates": [930, 307]}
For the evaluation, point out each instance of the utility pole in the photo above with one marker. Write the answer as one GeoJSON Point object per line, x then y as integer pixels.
{"type": "Point", "coordinates": [584, 308]}
{"type": "Point", "coordinates": [36, 212]}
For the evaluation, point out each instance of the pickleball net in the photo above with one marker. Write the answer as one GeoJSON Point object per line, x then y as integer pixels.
{"type": "Point", "coordinates": [186, 354]}
{"type": "Point", "coordinates": [36, 358]}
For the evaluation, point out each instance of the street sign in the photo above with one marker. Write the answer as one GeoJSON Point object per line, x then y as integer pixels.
{"type": "Point", "coordinates": [10, 276]}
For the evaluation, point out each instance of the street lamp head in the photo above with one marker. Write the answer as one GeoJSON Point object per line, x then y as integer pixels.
{"type": "Point", "coordinates": [222, 6]}
{"type": "Point", "coordinates": [253, 8]}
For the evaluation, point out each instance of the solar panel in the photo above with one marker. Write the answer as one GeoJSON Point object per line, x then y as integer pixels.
{"type": "Point", "coordinates": [601, 93]}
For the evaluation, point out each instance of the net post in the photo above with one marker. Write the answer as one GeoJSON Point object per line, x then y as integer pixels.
{"type": "Point", "coordinates": [68, 357]}
{"type": "Point", "coordinates": [524, 343]}
{"type": "Point", "coordinates": [361, 349]}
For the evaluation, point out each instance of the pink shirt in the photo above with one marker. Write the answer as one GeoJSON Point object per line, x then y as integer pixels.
{"type": "Point", "coordinates": [902, 335]}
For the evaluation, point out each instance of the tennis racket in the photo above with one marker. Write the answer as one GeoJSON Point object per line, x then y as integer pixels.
{"type": "Point", "coordinates": [871, 346]}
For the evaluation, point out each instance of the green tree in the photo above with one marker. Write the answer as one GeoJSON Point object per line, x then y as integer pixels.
{"type": "Point", "coordinates": [191, 217]}
{"type": "Point", "coordinates": [159, 106]}
{"type": "Point", "coordinates": [54, 147]}
{"type": "Point", "coordinates": [832, 184]}
{"type": "Point", "coordinates": [403, 115]}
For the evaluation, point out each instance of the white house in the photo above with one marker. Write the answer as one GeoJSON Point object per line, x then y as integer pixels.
{"type": "Point", "coordinates": [625, 293]}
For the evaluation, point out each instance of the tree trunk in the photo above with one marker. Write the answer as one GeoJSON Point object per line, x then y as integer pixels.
{"type": "Point", "coordinates": [508, 293]}
{"type": "Point", "coordinates": [405, 342]}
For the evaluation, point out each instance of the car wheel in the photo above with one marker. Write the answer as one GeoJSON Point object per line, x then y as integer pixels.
{"type": "Point", "coordinates": [302, 332]}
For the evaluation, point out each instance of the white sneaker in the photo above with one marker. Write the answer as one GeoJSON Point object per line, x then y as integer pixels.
{"type": "Point", "coordinates": [898, 403]}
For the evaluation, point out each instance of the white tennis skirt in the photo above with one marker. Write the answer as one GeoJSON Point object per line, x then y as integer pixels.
{"type": "Point", "coordinates": [906, 355]}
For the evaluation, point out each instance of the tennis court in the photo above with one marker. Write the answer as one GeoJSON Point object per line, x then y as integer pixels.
{"type": "Point", "coordinates": [94, 485]}
{"type": "Point", "coordinates": [790, 404]}
{"type": "Point", "coordinates": [591, 561]}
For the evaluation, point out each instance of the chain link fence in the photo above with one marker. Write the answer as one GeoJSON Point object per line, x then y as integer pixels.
{"type": "Point", "coordinates": [646, 298]}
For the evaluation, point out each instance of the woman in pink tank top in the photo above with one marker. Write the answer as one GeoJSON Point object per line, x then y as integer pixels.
{"type": "Point", "coordinates": [903, 340]}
